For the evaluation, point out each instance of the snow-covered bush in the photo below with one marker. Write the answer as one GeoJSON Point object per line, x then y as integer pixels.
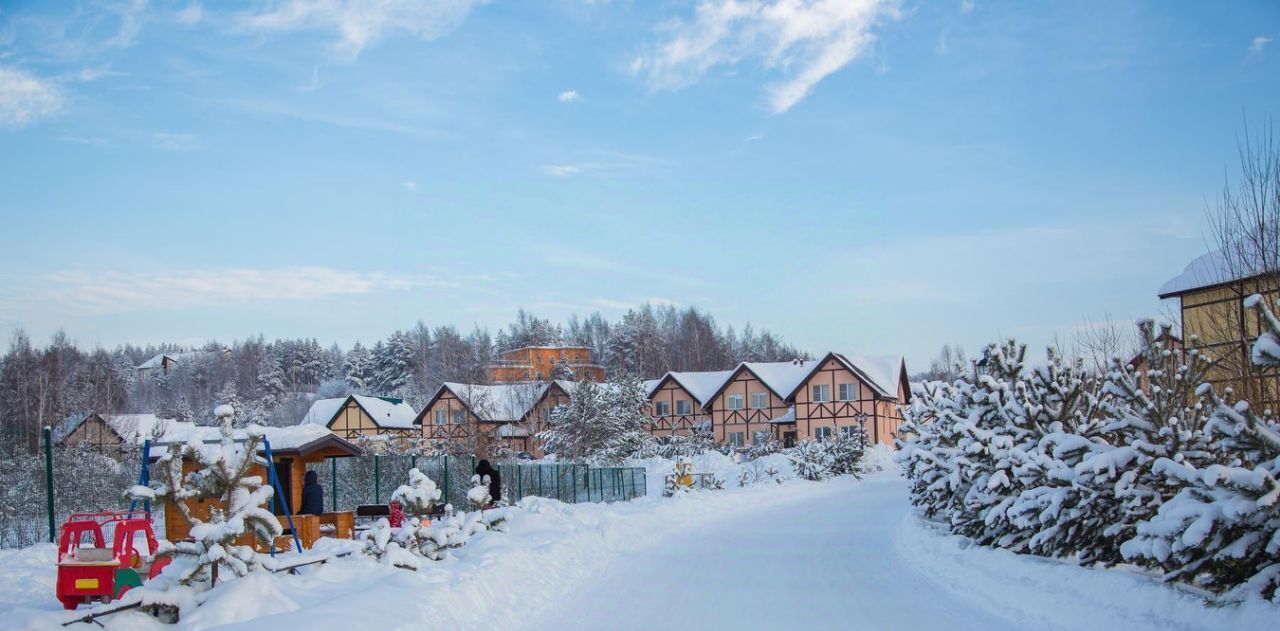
{"type": "Point", "coordinates": [406, 545]}
{"type": "Point", "coordinates": [479, 494]}
{"type": "Point", "coordinates": [1142, 464]}
{"type": "Point", "coordinates": [602, 423]}
{"type": "Point", "coordinates": [235, 499]}
{"type": "Point", "coordinates": [419, 496]}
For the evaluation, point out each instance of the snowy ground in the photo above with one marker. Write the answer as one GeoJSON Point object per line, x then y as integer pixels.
{"type": "Point", "coordinates": [836, 554]}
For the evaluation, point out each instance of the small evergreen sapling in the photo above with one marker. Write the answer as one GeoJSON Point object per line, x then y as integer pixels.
{"type": "Point", "coordinates": [236, 501]}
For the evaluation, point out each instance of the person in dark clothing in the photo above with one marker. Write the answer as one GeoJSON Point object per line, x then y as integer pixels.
{"type": "Point", "coordinates": [495, 480]}
{"type": "Point", "coordinates": [312, 496]}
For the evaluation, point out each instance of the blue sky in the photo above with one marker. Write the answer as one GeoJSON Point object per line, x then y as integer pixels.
{"type": "Point", "coordinates": [866, 176]}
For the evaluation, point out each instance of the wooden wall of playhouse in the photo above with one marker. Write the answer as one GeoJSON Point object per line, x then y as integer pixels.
{"type": "Point", "coordinates": [177, 528]}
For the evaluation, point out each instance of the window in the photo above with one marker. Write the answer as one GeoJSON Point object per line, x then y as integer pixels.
{"type": "Point", "coordinates": [846, 432]}
{"type": "Point", "coordinates": [736, 439]}
{"type": "Point", "coordinates": [759, 438]}
{"type": "Point", "coordinates": [546, 414]}
{"type": "Point", "coordinates": [848, 392]}
{"type": "Point", "coordinates": [662, 408]}
{"type": "Point", "coordinates": [821, 393]}
{"type": "Point", "coordinates": [459, 417]}
{"type": "Point", "coordinates": [822, 433]}
{"type": "Point", "coordinates": [735, 402]}
{"type": "Point", "coordinates": [442, 417]}
{"type": "Point", "coordinates": [684, 407]}
{"type": "Point", "coordinates": [759, 400]}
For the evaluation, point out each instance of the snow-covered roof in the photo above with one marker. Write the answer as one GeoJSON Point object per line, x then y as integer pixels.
{"type": "Point", "coordinates": [498, 403]}
{"type": "Point", "coordinates": [883, 372]}
{"type": "Point", "coordinates": [789, 417]}
{"type": "Point", "coordinates": [511, 430]}
{"type": "Point", "coordinates": [158, 360]}
{"type": "Point", "coordinates": [280, 438]}
{"type": "Point", "coordinates": [385, 412]}
{"type": "Point", "coordinates": [701, 385]}
{"type": "Point", "coordinates": [131, 428]}
{"type": "Point", "coordinates": [782, 377]}
{"type": "Point", "coordinates": [1207, 270]}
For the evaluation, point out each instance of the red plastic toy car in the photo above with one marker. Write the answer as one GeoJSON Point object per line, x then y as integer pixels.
{"type": "Point", "coordinates": [87, 573]}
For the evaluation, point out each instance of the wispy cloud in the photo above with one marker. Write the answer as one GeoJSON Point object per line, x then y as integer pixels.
{"type": "Point", "coordinates": [269, 107]}
{"type": "Point", "coordinates": [1258, 44]}
{"type": "Point", "coordinates": [190, 14]}
{"type": "Point", "coordinates": [803, 41]}
{"type": "Point", "coordinates": [567, 170]}
{"type": "Point", "coordinates": [91, 293]}
{"type": "Point", "coordinates": [170, 141]}
{"type": "Point", "coordinates": [26, 98]}
{"type": "Point", "coordinates": [315, 82]}
{"type": "Point", "coordinates": [359, 23]}
{"type": "Point", "coordinates": [569, 96]}
{"type": "Point", "coordinates": [409, 185]}
{"type": "Point", "coordinates": [966, 6]}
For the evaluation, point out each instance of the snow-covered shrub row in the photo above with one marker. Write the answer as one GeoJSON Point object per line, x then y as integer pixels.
{"type": "Point", "coordinates": [405, 544]}
{"type": "Point", "coordinates": [1141, 465]}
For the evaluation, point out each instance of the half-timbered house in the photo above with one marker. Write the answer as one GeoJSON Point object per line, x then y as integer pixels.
{"type": "Point", "coordinates": [359, 416]}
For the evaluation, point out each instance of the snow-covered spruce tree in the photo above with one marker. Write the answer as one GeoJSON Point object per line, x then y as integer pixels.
{"type": "Point", "coordinates": [602, 423]}
{"type": "Point", "coordinates": [1222, 530]}
{"type": "Point", "coordinates": [1044, 510]}
{"type": "Point", "coordinates": [356, 367]}
{"type": "Point", "coordinates": [847, 450]}
{"type": "Point", "coordinates": [236, 501]}
{"type": "Point", "coordinates": [271, 381]}
{"type": "Point", "coordinates": [228, 396]}
{"type": "Point", "coordinates": [1154, 411]}
{"type": "Point", "coordinates": [812, 460]}
{"type": "Point", "coordinates": [419, 496]}
{"type": "Point", "coordinates": [928, 445]}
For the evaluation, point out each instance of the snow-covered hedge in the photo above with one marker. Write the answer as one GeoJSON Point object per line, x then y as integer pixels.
{"type": "Point", "coordinates": [1141, 465]}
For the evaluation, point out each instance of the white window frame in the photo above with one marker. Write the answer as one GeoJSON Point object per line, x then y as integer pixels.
{"type": "Point", "coordinates": [821, 434]}
{"type": "Point", "coordinates": [730, 400]}
{"type": "Point", "coordinates": [821, 392]}
{"type": "Point", "coordinates": [737, 439]}
{"type": "Point", "coordinates": [848, 392]}
{"type": "Point", "coordinates": [684, 407]}
{"type": "Point", "coordinates": [442, 417]}
{"type": "Point", "coordinates": [459, 417]}
{"type": "Point", "coordinates": [662, 408]}
{"type": "Point", "coordinates": [763, 399]}
{"type": "Point", "coordinates": [846, 431]}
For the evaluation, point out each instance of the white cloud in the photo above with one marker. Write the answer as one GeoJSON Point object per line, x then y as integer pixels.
{"type": "Point", "coordinates": [565, 170]}
{"type": "Point", "coordinates": [175, 141]}
{"type": "Point", "coordinates": [1260, 42]}
{"type": "Point", "coordinates": [802, 41]}
{"type": "Point", "coordinates": [410, 185]}
{"type": "Point", "coordinates": [26, 98]}
{"type": "Point", "coordinates": [966, 6]}
{"type": "Point", "coordinates": [103, 292]}
{"type": "Point", "coordinates": [359, 23]}
{"type": "Point", "coordinates": [192, 14]}
{"type": "Point", "coordinates": [569, 96]}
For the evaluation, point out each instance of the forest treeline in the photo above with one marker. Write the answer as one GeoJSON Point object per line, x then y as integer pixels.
{"type": "Point", "coordinates": [274, 382]}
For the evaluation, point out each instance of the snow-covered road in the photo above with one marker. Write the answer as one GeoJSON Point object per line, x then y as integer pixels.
{"type": "Point", "coordinates": [840, 554]}
{"type": "Point", "coordinates": [823, 560]}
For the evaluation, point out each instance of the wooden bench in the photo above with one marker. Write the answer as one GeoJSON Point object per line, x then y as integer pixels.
{"type": "Point", "coordinates": [342, 524]}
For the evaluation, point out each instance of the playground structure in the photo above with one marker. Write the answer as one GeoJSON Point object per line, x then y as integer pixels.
{"type": "Point", "coordinates": [685, 479]}
{"type": "Point", "coordinates": [284, 466]}
{"type": "Point", "coordinates": [87, 573]}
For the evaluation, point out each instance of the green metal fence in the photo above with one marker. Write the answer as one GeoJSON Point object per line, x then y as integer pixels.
{"type": "Point", "coordinates": [372, 480]}
{"type": "Point", "coordinates": [39, 490]}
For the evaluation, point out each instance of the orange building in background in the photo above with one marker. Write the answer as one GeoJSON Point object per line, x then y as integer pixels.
{"type": "Point", "coordinates": [539, 363]}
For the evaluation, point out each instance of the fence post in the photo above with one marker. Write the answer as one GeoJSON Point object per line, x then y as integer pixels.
{"type": "Point", "coordinates": [48, 480]}
{"type": "Point", "coordinates": [446, 480]}
{"type": "Point", "coordinates": [377, 480]}
{"type": "Point", "coordinates": [558, 495]}
{"type": "Point", "coordinates": [333, 484]}
{"type": "Point", "coordinates": [574, 469]}
{"type": "Point", "coordinates": [539, 493]}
